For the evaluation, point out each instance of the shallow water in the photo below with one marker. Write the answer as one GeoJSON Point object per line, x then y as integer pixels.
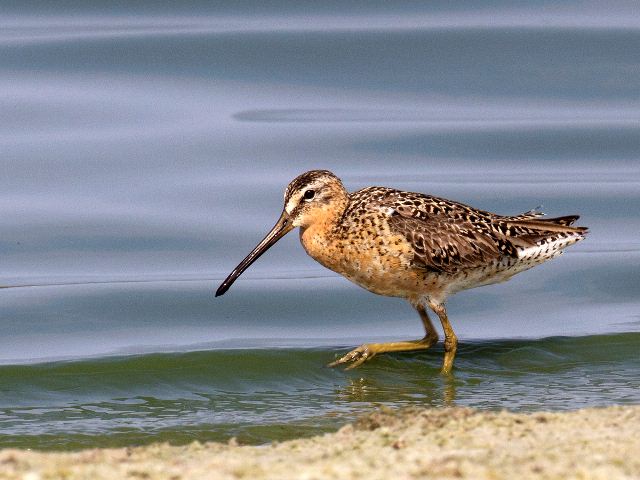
{"type": "Point", "coordinates": [145, 152]}
{"type": "Point", "coordinates": [261, 395]}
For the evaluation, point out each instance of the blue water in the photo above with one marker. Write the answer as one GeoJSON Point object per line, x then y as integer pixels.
{"type": "Point", "coordinates": [145, 149]}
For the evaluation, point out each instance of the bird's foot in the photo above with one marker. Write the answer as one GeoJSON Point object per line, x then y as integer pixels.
{"type": "Point", "coordinates": [450, 347]}
{"type": "Point", "coordinates": [357, 357]}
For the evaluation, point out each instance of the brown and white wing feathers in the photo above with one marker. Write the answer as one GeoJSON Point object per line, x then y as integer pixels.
{"type": "Point", "coordinates": [445, 246]}
{"type": "Point", "coordinates": [445, 236]}
{"type": "Point", "coordinates": [448, 236]}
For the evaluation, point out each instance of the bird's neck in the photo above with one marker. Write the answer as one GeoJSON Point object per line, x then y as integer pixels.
{"type": "Point", "coordinates": [320, 239]}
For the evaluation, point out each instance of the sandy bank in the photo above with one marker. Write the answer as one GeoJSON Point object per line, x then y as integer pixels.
{"type": "Point", "coordinates": [412, 443]}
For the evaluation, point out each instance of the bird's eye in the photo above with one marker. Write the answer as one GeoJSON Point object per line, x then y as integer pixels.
{"type": "Point", "coordinates": [309, 194]}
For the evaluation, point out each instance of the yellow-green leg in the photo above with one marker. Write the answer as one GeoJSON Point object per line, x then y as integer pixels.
{"type": "Point", "coordinates": [367, 351]}
{"type": "Point", "coordinates": [450, 339]}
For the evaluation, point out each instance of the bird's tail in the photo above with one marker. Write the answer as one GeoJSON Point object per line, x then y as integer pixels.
{"type": "Point", "coordinates": [543, 237]}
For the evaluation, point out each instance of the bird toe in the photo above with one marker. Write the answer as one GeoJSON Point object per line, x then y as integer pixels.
{"type": "Point", "coordinates": [356, 356]}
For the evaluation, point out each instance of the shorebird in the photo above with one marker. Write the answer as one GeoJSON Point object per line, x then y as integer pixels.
{"type": "Point", "coordinates": [410, 245]}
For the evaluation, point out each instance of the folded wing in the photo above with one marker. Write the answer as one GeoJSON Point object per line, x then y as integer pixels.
{"type": "Point", "coordinates": [449, 237]}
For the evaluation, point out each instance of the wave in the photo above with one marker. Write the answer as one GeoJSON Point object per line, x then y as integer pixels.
{"type": "Point", "coordinates": [261, 395]}
{"type": "Point", "coordinates": [288, 369]}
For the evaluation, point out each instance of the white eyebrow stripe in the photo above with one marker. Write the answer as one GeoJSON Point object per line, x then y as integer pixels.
{"type": "Point", "coordinates": [291, 204]}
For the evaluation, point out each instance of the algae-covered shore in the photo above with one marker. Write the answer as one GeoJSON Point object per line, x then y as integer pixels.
{"type": "Point", "coordinates": [602, 443]}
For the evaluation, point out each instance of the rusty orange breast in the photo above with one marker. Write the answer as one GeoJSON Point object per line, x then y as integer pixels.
{"type": "Point", "coordinates": [371, 257]}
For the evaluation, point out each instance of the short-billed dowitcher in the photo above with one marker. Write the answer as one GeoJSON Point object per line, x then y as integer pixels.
{"type": "Point", "coordinates": [410, 245]}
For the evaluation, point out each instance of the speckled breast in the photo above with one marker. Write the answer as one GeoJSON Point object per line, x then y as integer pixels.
{"type": "Point", "coordinates": [370, 256]}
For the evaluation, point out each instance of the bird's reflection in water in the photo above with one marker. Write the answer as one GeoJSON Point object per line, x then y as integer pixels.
{"type": "Point", "coordinates": [449, 391]}
{"type": "Point", "coordinates": [429, 391]}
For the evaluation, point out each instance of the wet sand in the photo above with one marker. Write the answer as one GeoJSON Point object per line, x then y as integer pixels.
{"type": "Point", "coordinates": [400, 444]}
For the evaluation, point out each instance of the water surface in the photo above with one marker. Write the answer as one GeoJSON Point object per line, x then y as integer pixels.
{"type": "Point", "coordinates": [144, 152]}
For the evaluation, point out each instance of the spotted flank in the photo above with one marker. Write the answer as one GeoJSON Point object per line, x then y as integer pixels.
{"type": "Point", "coordinates": [450, 237]}
{"type": "Point", "coordinates": [411, 245]}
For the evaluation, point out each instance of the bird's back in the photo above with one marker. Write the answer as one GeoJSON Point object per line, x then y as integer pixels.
{"type": "Point", "coordinates": [458, 246]}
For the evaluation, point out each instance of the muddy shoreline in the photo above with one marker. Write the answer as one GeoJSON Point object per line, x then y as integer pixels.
{"type": "Point", "coordinates": [599, 443]}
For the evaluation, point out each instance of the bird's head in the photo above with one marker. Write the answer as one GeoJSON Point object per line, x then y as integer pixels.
{"type": "Point", "coordinates": [314, 196]}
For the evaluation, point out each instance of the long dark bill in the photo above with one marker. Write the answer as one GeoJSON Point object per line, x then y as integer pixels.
{"type": "Point", "coordinates": [279, 230]}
